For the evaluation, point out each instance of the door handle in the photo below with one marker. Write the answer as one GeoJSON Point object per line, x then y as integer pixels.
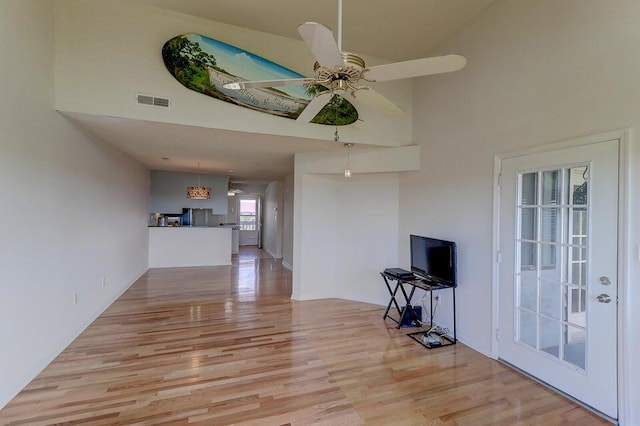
{"type": "Point", "coordinates": [605, 281]}
{"type": "Point", "coordinates": [603, 298]}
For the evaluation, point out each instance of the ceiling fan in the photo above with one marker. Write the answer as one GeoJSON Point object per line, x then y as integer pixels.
{"type": "Point", "coordinates": [342, 72]}
{"type": "Point", "coordinates": [232, 192]}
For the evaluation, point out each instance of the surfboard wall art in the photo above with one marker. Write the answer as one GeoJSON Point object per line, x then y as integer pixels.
{"type": "Point", "coordinates": [204, 64]}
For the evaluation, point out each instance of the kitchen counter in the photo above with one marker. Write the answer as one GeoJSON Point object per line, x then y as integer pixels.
{"type": "Point", "coordinates": [184, 227]}
{"type": "Point", "coordinates": [234, 227]}
{"type": "Point", "coordinates": [189, 246]}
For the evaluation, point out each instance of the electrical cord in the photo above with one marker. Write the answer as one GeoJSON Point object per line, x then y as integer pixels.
{"type": "Point", "coordinates": [433, 335]}
{"type": "Point", "coordinates": [431, 319]}
{"type": "Point", "coordinates": [435, 328]}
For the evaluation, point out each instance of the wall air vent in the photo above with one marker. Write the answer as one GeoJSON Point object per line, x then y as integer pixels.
{"type": "Point", "coordinates": [152, 101]}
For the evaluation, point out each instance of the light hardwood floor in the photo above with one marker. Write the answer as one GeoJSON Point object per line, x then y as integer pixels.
{"type": "Point", "coordinates": [226, 345]}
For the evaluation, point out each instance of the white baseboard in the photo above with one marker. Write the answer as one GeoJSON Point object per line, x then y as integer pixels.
{"type": "Point", "coordinates": [464, 340]}
{"type": "Point", "coordinates": [53, 354]}
{"type": "Point", "coordinates": [271, 253]}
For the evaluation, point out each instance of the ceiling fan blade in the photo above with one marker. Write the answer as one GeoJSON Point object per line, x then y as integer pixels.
{"type": "Point", "coordinates": [369, 97]}
{"type": "Point", "coordinates": [322, 44]}
{"type": "Point", "coordinates": [416, 68]}
{"type": "Point", "coordinates": [237, 85]}
{"type": "Point", "coordinates": [314, 107]}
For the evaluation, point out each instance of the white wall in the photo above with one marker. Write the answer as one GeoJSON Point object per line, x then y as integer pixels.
{"type": "Point", "coordinates": [538, 72]}
{"type": "Point", "coordinates": [349, 235]}
{"type": "Point", "coordinates": [75, 208]}
{"type": "Point", "coordinates": [107, 51]}
{"type": "Point", "coordinates": [346, 230]}
{"type": "Point", "coordinates": [287, 222]}
{"type": "Point", "coordinates": [367, 228]}
{"type": "Point", "coordinates": [169, 192]}
{"type": "Point", "coordinates": [314, 260]}
{"type": "Point", "coordinates": [272, 219]}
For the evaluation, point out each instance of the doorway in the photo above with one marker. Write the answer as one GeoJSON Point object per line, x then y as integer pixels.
{"type": "Point", "coordinates": [557, 272]}
{"type": "Point", "coordinates": [249, 220]}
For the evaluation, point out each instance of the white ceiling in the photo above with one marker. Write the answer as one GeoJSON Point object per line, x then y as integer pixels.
{"type": "Point", "coordinates": [254, 158]}
{"type": "Point", "coordinates": [397, 30]}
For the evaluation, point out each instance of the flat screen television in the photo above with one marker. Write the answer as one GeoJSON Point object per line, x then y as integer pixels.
{"type": "Point", "coordinates": [434, 260]}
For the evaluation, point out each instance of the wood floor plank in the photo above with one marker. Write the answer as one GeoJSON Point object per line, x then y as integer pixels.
{"type": "Point", "coordinates": [226, 345]}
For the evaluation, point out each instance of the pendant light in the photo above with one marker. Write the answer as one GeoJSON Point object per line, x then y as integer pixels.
{"type": "Point", "coordinates": [347, 170]}
{"type": "Point", "coordinates": [336, 138]}
{"type": "Point", "coordinates": [198, 192]}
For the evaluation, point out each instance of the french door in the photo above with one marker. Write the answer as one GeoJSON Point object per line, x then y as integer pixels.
{"type": "Point", "coordinates": [558, 270]}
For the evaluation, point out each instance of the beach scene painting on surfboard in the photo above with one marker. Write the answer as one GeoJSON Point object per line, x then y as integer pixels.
{"type": "Point", "coordinates": [204, 65]}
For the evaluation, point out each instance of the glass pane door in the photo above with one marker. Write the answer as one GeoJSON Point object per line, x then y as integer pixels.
{"type": "Point", "coordinates": [248, 214]}
{"type": "Point", "coordinates": [557, 269]}
{"type": "Point", "coordinates": [551, 249]}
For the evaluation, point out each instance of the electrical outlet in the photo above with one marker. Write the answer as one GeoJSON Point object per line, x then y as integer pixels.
{"type": "Point", "coordinates": [104, 281]}
{"type": "Point", "coordinates": [75, 298]}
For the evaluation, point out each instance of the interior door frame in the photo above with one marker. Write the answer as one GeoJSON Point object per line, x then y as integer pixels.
{"type": "Point", "coordinates": [257, 198]}
{"type": "Point", "coordinates": [624, 249]}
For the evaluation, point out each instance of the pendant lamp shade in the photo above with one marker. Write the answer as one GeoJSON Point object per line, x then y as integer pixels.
{"type": "Point", "coordinates": [198, 192]}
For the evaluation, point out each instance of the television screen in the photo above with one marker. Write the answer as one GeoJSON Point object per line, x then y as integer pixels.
{"type": "Point", "coordinates": [434, 260]}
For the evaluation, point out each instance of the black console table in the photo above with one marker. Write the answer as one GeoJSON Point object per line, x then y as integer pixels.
{"type": "Point", "coordinates": [398, 291]}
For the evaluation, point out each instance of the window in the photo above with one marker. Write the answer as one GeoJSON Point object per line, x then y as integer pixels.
{"type": "Point", "coordinates": [247, 215]}
{"type": "Point", "coordinates": [552, 243]}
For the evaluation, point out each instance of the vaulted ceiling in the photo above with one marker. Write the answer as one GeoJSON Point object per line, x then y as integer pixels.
{"type": "Point", "coordinates": [396, 30]}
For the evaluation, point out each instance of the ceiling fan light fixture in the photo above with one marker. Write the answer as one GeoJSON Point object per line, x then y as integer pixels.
{"type": "Point", "coordinates": [232, 192]}
{"type": "Point", "coordinates": [343, 72]}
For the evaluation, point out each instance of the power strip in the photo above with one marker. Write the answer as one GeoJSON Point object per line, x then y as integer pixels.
{"type": "Point", "coordinates": [431, 340]}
